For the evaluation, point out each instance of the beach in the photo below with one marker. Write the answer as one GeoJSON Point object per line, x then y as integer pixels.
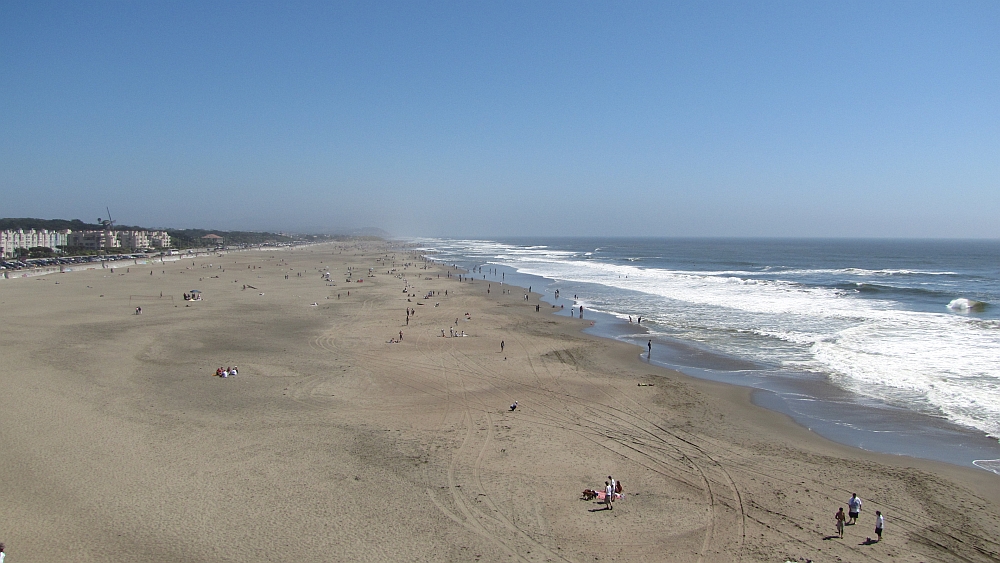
{"type": "Point", "coordinates": [334, 443]}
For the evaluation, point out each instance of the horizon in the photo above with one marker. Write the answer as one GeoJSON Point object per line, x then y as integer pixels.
{"type": "Point", "coordinates": [730, 120]}
{"type": "Point", "coordinates": [518, 236]}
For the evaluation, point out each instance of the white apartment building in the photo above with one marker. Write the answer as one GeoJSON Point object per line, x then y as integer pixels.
{"type": "Point", "coordinates": [11, 240]}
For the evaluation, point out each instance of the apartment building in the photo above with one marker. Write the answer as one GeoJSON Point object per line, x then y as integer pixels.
{"type": "Point", "coordinates": [94, 240]}
{"type": "Point", "coordinates": [144, 239]}
{"type": "Point", "coordinates": [11, 240]}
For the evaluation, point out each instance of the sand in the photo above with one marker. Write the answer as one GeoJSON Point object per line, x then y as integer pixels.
{"type": "Point", "coordinates": [117, 443]}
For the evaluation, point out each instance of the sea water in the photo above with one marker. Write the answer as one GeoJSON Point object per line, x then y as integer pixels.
{"type": "Point", "coordinates": [892, 345]}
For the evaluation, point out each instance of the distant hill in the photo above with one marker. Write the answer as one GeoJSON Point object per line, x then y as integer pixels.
{"type": "Point", "coordinates": [49, 224]}
{"type": "Point", "coordinates": [189, 238]}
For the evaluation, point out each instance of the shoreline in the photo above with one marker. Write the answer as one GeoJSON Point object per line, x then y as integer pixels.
{"type": "Point", "coordinates": [332, 443]}
{"type": "Point", "coordinates": [817, 405]}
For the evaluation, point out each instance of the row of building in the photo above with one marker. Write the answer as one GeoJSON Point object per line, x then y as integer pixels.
{"type": "Point", "coordinates": [13, 239]}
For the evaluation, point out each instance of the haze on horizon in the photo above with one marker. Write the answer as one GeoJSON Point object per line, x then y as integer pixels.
{"type": "Point", "coordinates": [845, 119]}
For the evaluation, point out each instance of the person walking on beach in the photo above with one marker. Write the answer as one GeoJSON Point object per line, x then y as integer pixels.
{"type": "Point", "coordinates": [501, 346]}
{"type": "Point", "coordinates": [879, 524]}
{"type": "Point", "coordinates": [649, 345]}
{"type": "Point", "coordinates": [841, 518]}
{"type": "Point", "coordinates": [609, 495]}
{"type": "Point", "coordinates": [853, 508]}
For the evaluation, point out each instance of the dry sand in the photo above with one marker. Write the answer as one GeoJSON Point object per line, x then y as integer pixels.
{"type": "Point", "coordinates": [118, 444]}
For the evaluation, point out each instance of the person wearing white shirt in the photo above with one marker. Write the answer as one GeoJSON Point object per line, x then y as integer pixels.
{"type": "Point", "coordinates": [879, 524]}
{"type": "Point", "coordinates": [853, 508]}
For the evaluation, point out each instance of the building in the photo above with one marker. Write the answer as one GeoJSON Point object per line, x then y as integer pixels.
{"type": "Point", "coordinates": [94, 240]}
{"type": "Point", "coordinates": [11, 240]}
{"type": "Point", "coordinates": [212, 238]}
{"type": "Point", "coordinates": [144, 239]}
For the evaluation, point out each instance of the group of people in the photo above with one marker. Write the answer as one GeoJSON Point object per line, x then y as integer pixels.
{"type": "Point", "coordinates": [612, 492]}
{"type": "Point", "coordinates": [226, 372]}
{"type": "Point", "coordinates": [853, 512]}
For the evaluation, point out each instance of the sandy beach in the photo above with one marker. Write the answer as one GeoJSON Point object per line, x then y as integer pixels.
{"type": "Point", "coordinates": [117, 443]}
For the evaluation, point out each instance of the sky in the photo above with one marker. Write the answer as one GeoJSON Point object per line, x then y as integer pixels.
{"type": "Point", "coordinates": [488, 119]}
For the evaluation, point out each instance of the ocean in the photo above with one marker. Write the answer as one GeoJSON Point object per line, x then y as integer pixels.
{"type": "Point", "coordinates": [889, 345]}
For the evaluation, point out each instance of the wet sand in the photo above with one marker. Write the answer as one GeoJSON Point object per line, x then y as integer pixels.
{"type": "Point", "coordinates": [332, 444]}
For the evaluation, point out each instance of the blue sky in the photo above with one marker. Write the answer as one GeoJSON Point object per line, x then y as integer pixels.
{"type": "Point", "coordinates": [790, 118]}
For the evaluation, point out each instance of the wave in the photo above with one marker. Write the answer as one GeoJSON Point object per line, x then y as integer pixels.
{"type": "Point", "coordinates": [923, 294]}
{"type": "Point", "coordinates": [988, 464]}
{"type": "Point", "coordinates": [967, 305]}
{"type": "Point", "coordinates": [772, 272]}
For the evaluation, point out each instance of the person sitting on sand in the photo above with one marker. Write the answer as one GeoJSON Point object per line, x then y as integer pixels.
{"type": "Point", "coordinates": [218, 372]}
{"type": "Point", "coordinates": [233, 371]}
{"type": "Point", "coordinates": [513, 406]}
